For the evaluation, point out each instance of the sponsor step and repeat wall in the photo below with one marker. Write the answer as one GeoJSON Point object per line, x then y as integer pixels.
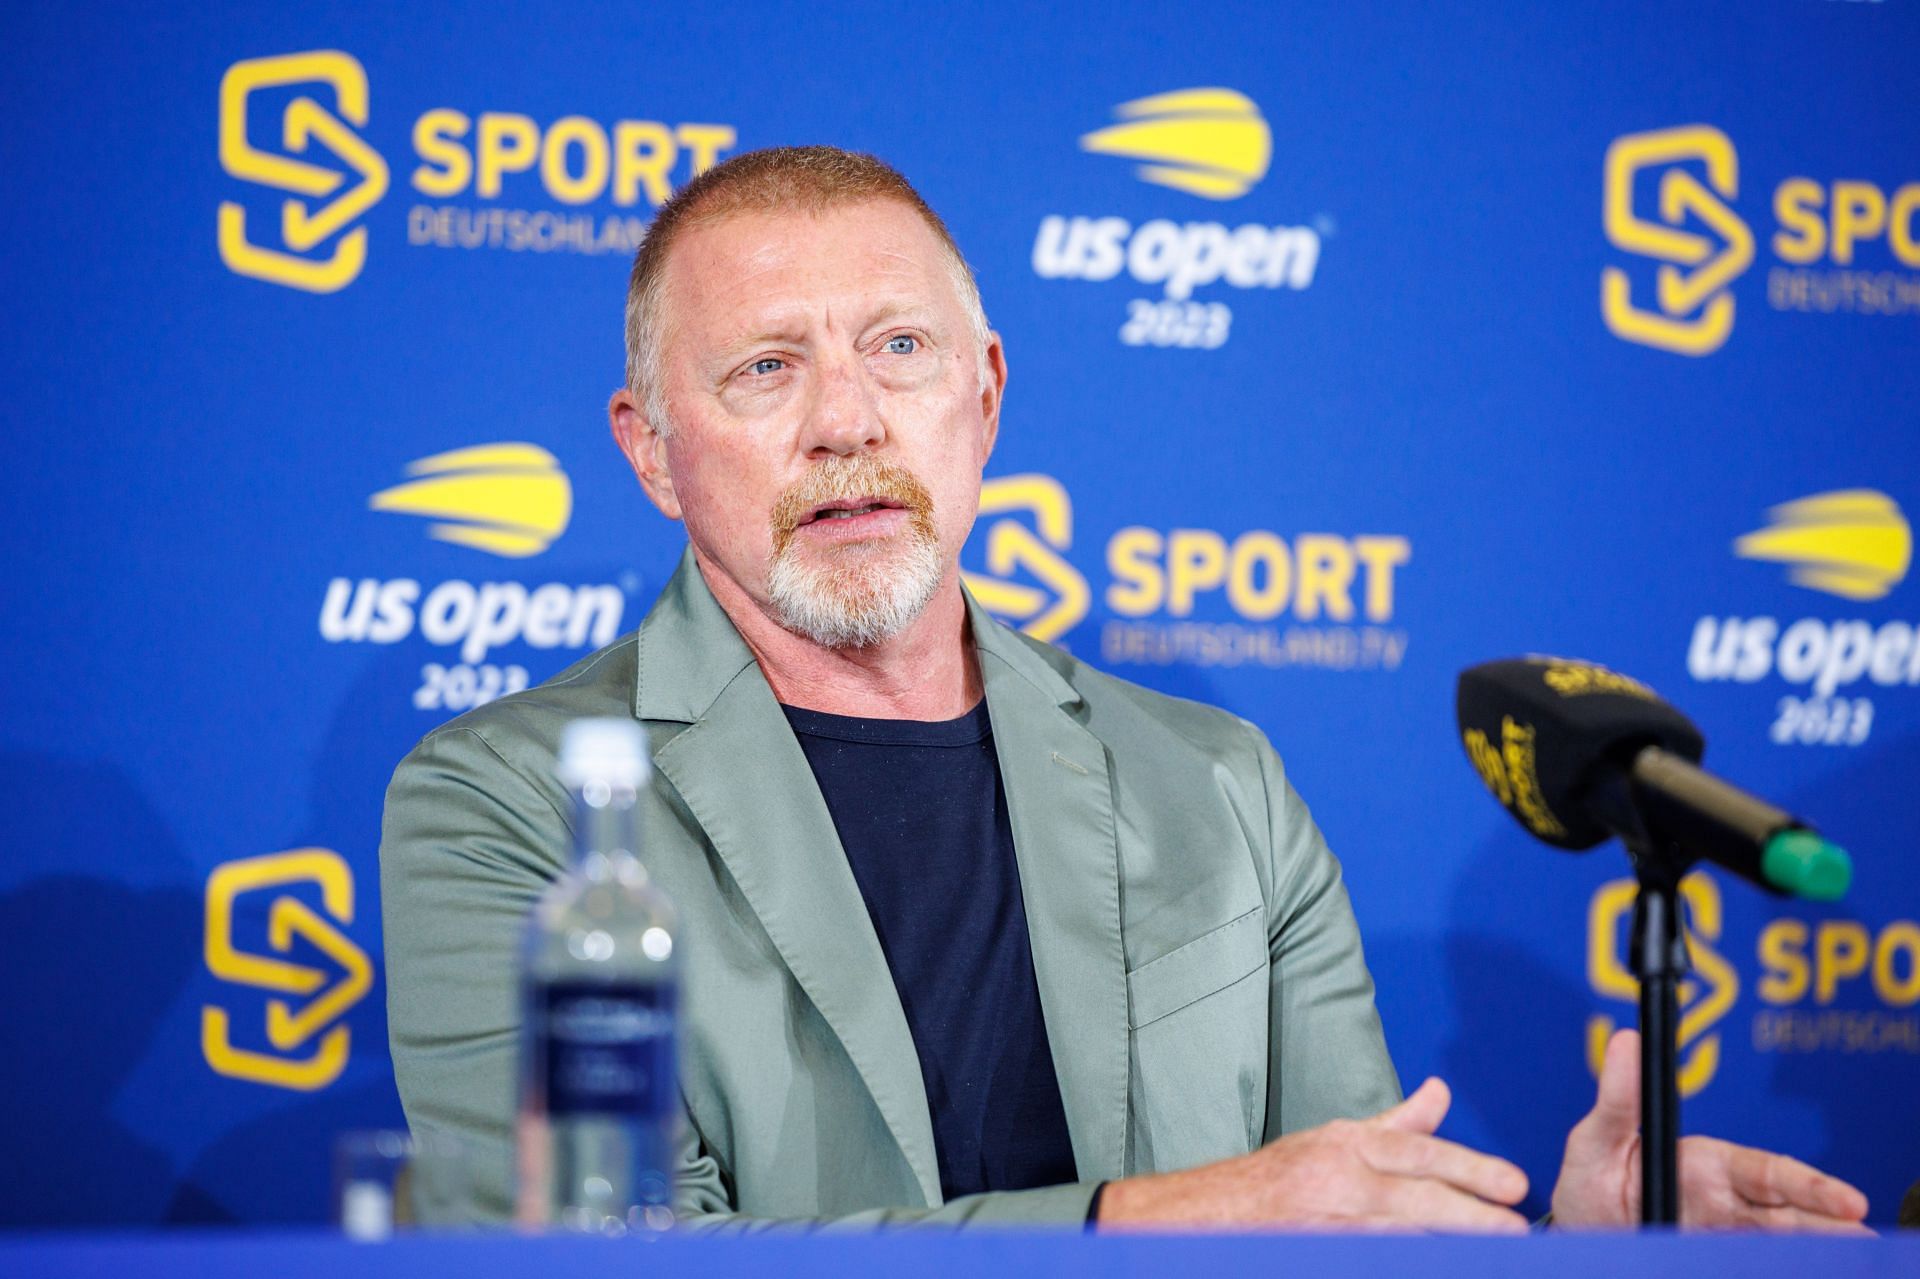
{"type": "Point", "coordinates": [1347, 350]}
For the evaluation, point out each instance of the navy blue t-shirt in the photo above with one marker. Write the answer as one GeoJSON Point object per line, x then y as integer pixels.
{"type": "Point", "coordinates": [922, 816]}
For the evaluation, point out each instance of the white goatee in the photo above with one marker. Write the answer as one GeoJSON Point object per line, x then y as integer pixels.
{"type": "Point", "coordinates": [864, 593]}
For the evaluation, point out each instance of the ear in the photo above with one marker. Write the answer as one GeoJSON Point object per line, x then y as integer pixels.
{"type": "Point", "coordinates": [646, 450]}
{"type": "Point", "coordinates": [993, 393]}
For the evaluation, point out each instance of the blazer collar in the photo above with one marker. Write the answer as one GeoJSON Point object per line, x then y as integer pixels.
{"type": "Point", "coordinates": [686, 651]}
{"type": "Point", "coordinates": [1059, 789]}
{"type": "Point", "coordinates": [742, 773]}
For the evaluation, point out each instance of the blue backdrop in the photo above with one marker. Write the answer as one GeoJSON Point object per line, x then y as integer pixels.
{"type": "Point", "coordinates": [1350, 345]}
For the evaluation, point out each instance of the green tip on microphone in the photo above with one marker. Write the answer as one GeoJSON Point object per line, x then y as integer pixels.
{"type": "Point", "coordinates": [1801, 863]}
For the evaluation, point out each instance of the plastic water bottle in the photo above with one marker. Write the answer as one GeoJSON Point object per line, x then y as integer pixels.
{"type": "Point", "coordinates": [599, 1097]}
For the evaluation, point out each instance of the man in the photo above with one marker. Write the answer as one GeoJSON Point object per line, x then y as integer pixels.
{"type": "Point", "coordinates": [974, 933]}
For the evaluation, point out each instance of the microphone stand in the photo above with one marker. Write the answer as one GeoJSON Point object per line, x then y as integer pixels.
{"type": "Point", "coordinates": [1659, 960]}
{"type": "Point", "coordinates": [1658, 954]}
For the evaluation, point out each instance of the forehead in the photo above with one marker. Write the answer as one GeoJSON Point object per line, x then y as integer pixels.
{"type": "Point", "coordinates": [751, 267]}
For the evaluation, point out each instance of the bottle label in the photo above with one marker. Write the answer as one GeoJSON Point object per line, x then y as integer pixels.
{"type": "Point", "coordinates": [609, 1050]}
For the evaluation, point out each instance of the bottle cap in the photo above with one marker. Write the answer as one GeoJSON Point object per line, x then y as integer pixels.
{"type": "Point", "coordinates": [366, 1211]}
{"type": "Point", "coordinates": [609, 750]}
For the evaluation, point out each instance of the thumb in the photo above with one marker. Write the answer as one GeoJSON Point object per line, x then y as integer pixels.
{"type": "Point", "coordinates": [1615, 1116]}
{"type": "Point", "coordinates": [1422, 1111]}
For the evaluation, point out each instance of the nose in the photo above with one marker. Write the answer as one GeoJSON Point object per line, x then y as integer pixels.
{"type": "Point", "coordinates": [843, 414]}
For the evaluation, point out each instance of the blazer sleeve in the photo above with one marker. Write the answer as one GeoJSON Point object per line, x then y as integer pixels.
{"type": "Point", "coordinates": [1327, 1054]}
{"type": "Point", "coordinates": [704, 1205]}
{"type": "Point", "coordinates": [468, 843]}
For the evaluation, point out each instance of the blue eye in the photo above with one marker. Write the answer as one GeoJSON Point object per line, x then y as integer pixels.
{"type": "Point", "coordinates": [768, 365]}
{"type": "Point", "coordinates": [902, 345]}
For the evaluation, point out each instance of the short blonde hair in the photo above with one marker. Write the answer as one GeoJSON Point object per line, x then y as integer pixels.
{"type": "Point", "coordinates": [803, 179]}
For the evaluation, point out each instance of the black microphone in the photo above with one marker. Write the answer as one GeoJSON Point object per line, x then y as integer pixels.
{"type": "Point", "coordinates": [1578, 753]}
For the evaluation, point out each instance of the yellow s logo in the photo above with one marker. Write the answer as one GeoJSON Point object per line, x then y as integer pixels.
{"type": "Point", "coordinates": [1695, 269]}
{"type": "Point", "coordinates": [305, 121]}
{"type": "Point", "coordinates": [288, 1028]}
{"type": "Point", "coordinates": [1705, 998]}
{"type": "Point", "coordinates": [1053, 608]}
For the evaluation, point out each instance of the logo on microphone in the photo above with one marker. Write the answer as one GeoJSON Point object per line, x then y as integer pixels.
{"type": "Point", "coordinates": [294, 257]}
{"type": "Point", "coordinates": [1057, 597]}
{"type": "Point", "coordinates": [1579, 679]}
{"type": "Point", "coordinates": [1510, 770]}
{"type": "Point", "coordinates": [1692, 311]}
{"type": "Point", "coordinates": [1705, 998]}
{"type": "Point", "coordinates": [328, 990]}
{"type": "Point", "coordinates": [1854, 543]}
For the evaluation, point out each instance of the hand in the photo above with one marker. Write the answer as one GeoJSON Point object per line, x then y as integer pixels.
{"type": "Point", "coordinates": [1721, 1184]}
{"type": "Point", "coordinates": [1387, 1172]}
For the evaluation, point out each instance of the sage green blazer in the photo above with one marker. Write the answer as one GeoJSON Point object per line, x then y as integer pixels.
{"type": "Point", "coordinates": [1199, 969]}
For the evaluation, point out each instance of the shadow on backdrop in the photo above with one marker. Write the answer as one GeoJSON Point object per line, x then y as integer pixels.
{"type": "Point", "coordinates": [94, 965]}
{"type": "Point", "coordinates": [1511, 1022]}
{"type": "Point", "coordinates": [277, 1167]}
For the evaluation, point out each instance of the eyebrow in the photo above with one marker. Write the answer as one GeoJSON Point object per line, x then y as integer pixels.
{"type": "Point", "coordinates": [792, 328]}
{"type": "Point", "coordinates": [896, 310]}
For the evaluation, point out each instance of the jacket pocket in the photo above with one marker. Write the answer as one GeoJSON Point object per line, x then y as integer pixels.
{"type": "Point", "coordinates": [1209, 963]}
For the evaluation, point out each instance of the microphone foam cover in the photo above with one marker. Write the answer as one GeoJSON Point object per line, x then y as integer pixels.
{"type": "Point", "coordinates": [1537, 728]}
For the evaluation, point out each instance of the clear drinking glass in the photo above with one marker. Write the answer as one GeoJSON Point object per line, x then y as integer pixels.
{"type": "Point", "coordinates": [387, 1178]}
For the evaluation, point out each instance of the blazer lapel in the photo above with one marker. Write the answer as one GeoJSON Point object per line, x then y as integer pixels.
{"type": "Point", "coordinates": [742, 774]}
{"type": "Point", "coordinates": [1060, 803]}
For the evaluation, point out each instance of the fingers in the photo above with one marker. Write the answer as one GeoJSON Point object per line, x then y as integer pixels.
{"type": "Point", "coordinates": [1433, 1184]}
{"type": "Point", "coordinates": [1724, 1185]}
{"type": "Point", "coordinates": [1616, 1108]}
{"type": "Point", "coordinates": [1432, 1205]}
{"type": "Point", "coordinates": [1415, 1155]}
{"type": "Point", "coordinates": [1781, 1218]}
{"type": "Point", "coordinates": [1777, 1181]}
{"type": "Point", "coordinates": [1421, 1112]}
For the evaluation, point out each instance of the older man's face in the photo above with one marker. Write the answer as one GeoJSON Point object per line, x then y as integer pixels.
{"type": "Point", "coordinates": [830, 412]}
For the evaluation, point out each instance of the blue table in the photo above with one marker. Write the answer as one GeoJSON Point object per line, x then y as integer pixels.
{"type": "Point", "coordinates": [950, 1256]}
